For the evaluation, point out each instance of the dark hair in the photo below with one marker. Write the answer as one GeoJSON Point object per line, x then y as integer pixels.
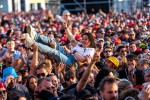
{"type": "Point", "coordinates": [10, 39]}
{"type": "Point", "coordinates": [69, 73]}
{"type": "Point", "coordinates": [101, 74]}
{"type": "Point", "coordinates": [67, 97]}
{"type": "Point", "coordinates": [91, 39]}
{"type": "Point", "coordinates": [18, 97]}
{"type": "Point", "coordinates": [107, 80]}
{"type": "Point", "coordinates": [132, 57]}
{"type": "Point", "coordinates": [120, 47]}
{"type": "Point", "coordinates": [28, 80]}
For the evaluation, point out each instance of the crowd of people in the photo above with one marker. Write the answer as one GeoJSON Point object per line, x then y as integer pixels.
{"type": "Point", "coordinates": [44, 56]}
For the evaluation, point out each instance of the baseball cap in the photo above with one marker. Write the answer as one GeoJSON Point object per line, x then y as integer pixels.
{"type": "Point", "coordinates": [9, 71]}
{"type": "Point", "coordinates": [78, 37]}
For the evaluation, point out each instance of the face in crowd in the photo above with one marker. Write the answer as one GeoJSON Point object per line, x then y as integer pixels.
{"type": "Point", "coordinates": [109, 90]}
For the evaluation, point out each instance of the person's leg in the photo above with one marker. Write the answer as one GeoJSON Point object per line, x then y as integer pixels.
{"type": "Point", "coordinates": [59, 57]}
{"type": "Point", "coordinates": [45, 40]}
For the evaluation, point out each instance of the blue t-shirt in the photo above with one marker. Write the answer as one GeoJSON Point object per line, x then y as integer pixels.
{"type": "Point", "coordinates": [17, 54]}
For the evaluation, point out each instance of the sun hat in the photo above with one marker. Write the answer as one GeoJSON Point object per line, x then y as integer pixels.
{"type": "Point", "coordinates": [9, 71]}
{"type": "Point", "coordinates": [114, 60]}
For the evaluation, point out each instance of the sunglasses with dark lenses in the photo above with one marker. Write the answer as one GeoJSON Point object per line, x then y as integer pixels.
{"type": "Point", "coordinates": [2, 92]}
{"type": "Point", "coordinates": [68, 79]}
{"type": "Point", "coordinates": [42, 74]}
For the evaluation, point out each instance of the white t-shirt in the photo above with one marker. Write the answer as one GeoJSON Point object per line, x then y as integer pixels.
{"type": "Point", "coordinates": [84, 51]}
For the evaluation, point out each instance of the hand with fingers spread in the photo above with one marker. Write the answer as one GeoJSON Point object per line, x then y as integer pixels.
{"type": "Point", "coordinates": [5, 56]}
{"type": "Point", "coordinates": [146, 91]}
{"type": "Point", "coordinates": [58, 68]}
{"type": "Point", "coordinates": [9, 79]}
{"type": "Point", "coordinates": [88, 58]}
{"type": "Point", "coordinates": [96, 57]}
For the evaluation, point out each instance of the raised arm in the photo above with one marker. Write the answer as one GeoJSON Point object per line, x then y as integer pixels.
{"type": "Point", "coordinates": [69, 35]}
{"type": "Point", "coordinates": [83, 81]}
{"type": "Point", "coordinates": [34, 62]}
{"type": "Point", "coordinates": [21, 64]}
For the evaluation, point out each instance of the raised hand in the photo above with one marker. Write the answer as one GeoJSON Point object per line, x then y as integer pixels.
{"type": "Point", "coordinates": [35, 47]}
{"type": "Point", "coordinates": [96, 57]}
{"type": "Point", "coordinates": [8, 80]}
{"type": "Point", "coordinates": [88, 59]}
{"type": "Point", "coordinates": [58, 68]}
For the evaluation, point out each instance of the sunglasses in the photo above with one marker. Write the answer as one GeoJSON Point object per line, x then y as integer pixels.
{"type": "Point", "coordinates": [68, 79]}
{"type": "Point", "coordinates": [42, 74]}
{"type": "Point", "coordinates": [48, 87]}
{"type": "Point", "coordinates": [2, 92]}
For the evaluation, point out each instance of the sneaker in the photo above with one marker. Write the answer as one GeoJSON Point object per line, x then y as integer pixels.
{"type": "Point", "coordinates": [29, 40]}
{"type": "Point", "coordinates": [31, 31]}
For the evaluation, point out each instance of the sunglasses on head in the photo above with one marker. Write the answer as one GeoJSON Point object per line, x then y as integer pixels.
{"type": "Point", "coordinates": [42, 74]}
{"type": "Point", "coordinates": [2, 92]}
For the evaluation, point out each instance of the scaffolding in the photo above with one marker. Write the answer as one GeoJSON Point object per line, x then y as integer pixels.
{"type": "Point", "coordinates": [128, 6]}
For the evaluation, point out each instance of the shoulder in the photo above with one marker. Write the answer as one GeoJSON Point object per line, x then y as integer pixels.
{"type": "Point", "coordinates": [21, 87]}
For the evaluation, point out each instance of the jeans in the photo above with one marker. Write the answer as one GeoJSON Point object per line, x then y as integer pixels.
{"type": "Point", "coordinates": [59, 54]}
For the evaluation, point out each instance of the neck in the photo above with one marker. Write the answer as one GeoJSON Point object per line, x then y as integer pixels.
{"type": "Point", "coordinates": [11, 50]}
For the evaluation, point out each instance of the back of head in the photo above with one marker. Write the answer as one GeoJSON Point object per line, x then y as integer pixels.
{"type": "Point", "coordinates": [129, 92]}
{"type": "Point", "coordinates": [68, 97]}
{"type": "Point", "coordinates": [124, 84]}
